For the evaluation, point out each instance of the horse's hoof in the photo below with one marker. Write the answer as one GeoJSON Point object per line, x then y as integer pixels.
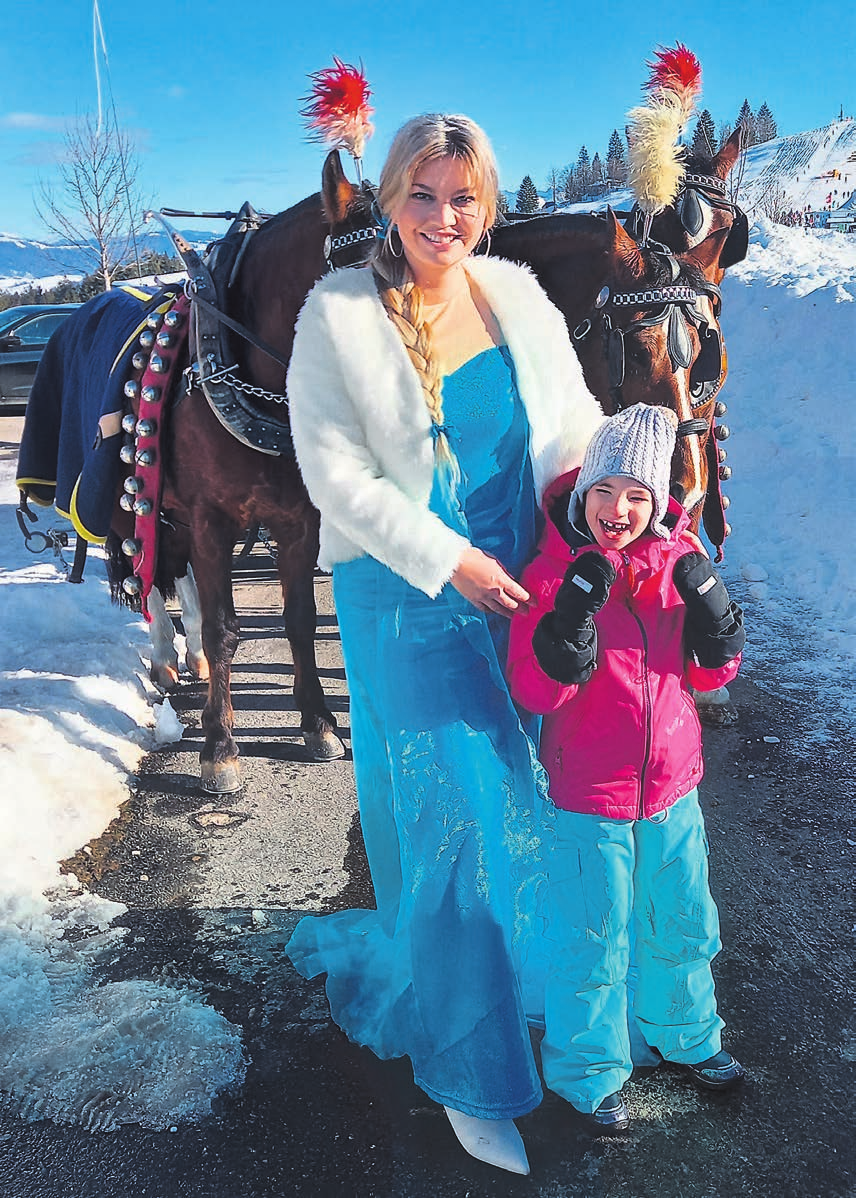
{"type": "Point", "coordinates": [221, 777]}
{"type": "Point", "coordinates": [716, 715]}
{"type": "Point", "coordinates": [165, 677]}
{"type": "Point", "coordinates": [197, 666]}
{"type": "Point", "coordinates": [323, 746]}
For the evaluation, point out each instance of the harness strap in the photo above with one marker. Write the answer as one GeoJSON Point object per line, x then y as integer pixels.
{"type": "Point", "coordinates": [168, 333]}
{"type": "Point", "coordinates": [694, 427]}
{"type": "Point", "coordinates": [238, 328]}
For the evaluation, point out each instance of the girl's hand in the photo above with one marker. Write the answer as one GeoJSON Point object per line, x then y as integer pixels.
{"type": "Point", "coordinates": [488, 586]}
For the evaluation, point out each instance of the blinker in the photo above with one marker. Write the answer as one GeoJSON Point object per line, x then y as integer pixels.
{"type": "Point", "coordinates": [602, 297]}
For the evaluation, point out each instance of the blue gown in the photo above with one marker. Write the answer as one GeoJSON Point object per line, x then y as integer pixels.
{"type": "Point", "coordinates": [449, 788]}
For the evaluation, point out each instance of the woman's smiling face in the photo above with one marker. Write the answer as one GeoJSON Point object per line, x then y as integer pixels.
{"type": "Point", "coordinates": [441, 220]}
{"type": "Point", "coordinates": [618, 510]}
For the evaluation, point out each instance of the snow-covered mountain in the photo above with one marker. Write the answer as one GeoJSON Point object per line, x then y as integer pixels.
{"type": "Point", "coordinates": [815, 170]}
{"type": "Point", "coordinates": [24, 261]}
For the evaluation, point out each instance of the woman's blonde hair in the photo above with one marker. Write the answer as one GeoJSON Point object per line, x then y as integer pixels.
{"type": "Point", "coordinates": [424, 139]}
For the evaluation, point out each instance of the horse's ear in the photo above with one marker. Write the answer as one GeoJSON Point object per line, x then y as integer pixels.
{"type": "Point", "coordinates": [707, 253]}
{"type": "Point", "coordinates": [624, 247]}
{"type": "Point", "coordinates": [336, 191]}
{"type": "Point", "coordinates": [728, 153]}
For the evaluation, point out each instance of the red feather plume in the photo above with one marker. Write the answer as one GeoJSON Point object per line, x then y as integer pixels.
{"type": "Point", "coordinates": [337, 109]}
{"type": "Point", "coordinates": [676, 70]}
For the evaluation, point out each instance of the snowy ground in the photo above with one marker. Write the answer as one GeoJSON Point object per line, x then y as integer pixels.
{"type": "Point", "coordinates": [77, 713]}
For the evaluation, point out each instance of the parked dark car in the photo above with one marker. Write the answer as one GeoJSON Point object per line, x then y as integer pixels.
{"type": "Point", "coordinates": [24, 333]}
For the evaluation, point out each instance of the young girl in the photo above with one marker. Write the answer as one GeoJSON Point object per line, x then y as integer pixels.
{"type": "Point", "coordinates": [626, 612]}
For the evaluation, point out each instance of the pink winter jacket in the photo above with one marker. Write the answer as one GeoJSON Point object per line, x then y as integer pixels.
{"type": "Point", "coordinates": [627, 743]}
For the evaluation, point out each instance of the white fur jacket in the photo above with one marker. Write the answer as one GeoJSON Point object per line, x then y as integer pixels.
{"type": "Point", "coordinates": [361, 428]}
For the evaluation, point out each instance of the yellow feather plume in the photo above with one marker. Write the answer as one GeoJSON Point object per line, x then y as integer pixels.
{"type": "Point", "coordinates": [655, 157]}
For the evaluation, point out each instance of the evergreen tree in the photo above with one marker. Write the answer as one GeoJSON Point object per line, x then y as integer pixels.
{"type": "Point", "coordinates": [746, 118]}
{"type": "Point", "coordinates": [704, 136]}
{"type": "Point", "coordinates": [583, 172]}
{"type": "Point", "coordinates": [501, 202]}
{"type": "Point", "coordinates": [527, 196]}
{"type": "Point", "coordinates": [596, 171]}
{"type": "Point", "coordinates": [569, 186]}
{"type": "Point", "coordinates": [616, 159]}
{"type": "Point", "coordinates": [765, 124]}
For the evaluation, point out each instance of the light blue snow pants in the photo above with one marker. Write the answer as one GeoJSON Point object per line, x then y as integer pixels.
{"type": "Point", "coordinates": [616, 885]}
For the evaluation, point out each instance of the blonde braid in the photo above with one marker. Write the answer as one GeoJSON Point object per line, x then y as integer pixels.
{"type": "Point", "coordinates": [403, 305]}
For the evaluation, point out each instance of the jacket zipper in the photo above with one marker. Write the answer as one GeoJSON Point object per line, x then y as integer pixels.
{"type": "Point", "coordinates": [646, 688]}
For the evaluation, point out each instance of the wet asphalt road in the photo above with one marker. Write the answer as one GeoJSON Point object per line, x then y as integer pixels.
{"type": "Point", "coordinates": [318, 1116]}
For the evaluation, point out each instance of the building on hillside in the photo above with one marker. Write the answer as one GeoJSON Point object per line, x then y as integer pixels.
{"type": "Point", "coordinates": [843, 219]}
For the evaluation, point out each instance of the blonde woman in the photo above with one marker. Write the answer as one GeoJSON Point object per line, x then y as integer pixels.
{"type": "Point", "coordinates": [433, 396]}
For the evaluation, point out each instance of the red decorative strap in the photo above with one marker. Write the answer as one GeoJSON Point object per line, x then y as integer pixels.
{"type": "Point", "coordinates": [170, 334]}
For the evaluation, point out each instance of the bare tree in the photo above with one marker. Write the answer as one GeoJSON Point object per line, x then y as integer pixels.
{"type": "Point", "coordinates": [96, 205]}
{"type": "Point", "coordinates": [723, 132]}
{"type": "Point", "coordinates": [554, 183]}
{"type": "Point", "coordinates": [774, 203]}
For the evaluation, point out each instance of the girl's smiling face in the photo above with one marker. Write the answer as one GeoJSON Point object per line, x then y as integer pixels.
{"type": "Point", "coordinates": [618, 510]}
{"type": "Point", "coordinates": [441, 220]}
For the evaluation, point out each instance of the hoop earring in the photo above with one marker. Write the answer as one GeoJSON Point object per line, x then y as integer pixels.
{"type": "Point", "coordinates": [485, 241]}
{"type": "Point", "coordinates": [389, 245]}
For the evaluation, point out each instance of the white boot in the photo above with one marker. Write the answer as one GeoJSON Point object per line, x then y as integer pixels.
{"type": "Point", "coordinates": [496, 1141]}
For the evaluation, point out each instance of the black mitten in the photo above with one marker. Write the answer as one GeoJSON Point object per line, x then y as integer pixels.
{"type": "Point", "coordinates": [713, 626]}
{"type": "Point", "coordinates": [565, 640]}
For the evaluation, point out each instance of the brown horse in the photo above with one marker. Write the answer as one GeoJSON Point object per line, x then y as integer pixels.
{"type": "Point", "coordinates": [644, 321]}
{"type": "Point", "coordinates": [701, 210]}
{"type": "Point", "coordinates": [216, 486]}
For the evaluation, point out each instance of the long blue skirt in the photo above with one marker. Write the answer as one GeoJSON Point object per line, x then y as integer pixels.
{"type": "Point", "coordinates": [451, 797]}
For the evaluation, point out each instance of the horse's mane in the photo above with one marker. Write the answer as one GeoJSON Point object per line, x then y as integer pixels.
{"type": "Point", "coordinates": [701, 164]}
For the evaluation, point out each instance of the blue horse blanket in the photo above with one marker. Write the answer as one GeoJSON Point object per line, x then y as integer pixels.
{"type": "Point", "coordinates": [72, 435]}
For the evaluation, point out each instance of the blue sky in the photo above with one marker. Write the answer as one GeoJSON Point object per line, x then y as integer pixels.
{"type": "Point", "coordinates": [212, 92]}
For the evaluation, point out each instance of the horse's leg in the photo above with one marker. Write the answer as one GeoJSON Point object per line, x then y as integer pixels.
{"type": "Point", "coordinates": [164, 668]}
{"type": "Point", "coordinates": [211, 555]}
{"type": "Point", "coordinates": [250, 541]}
{"type": "Point", "coordinates": [191, 618]}
{"type": "Point", "coordinates": [296, 557]}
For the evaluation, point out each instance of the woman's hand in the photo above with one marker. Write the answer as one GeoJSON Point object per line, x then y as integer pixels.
{"type": "Point", "coordinates": [482, 579]}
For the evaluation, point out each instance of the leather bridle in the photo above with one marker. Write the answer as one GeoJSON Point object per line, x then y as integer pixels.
{"type": "Point", "coordinates": [674, 305]}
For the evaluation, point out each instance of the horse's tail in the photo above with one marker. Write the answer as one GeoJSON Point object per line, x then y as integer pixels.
{"type": "Point", "coordinates": [120, 567]}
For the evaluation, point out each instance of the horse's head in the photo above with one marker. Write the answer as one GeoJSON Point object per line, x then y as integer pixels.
{"type": "Point", "coordinates": [350, 213]}
{"type": "Point", "coordinates": [651, 335]}
{"type": "Point", "coordinates": [701, 208]}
